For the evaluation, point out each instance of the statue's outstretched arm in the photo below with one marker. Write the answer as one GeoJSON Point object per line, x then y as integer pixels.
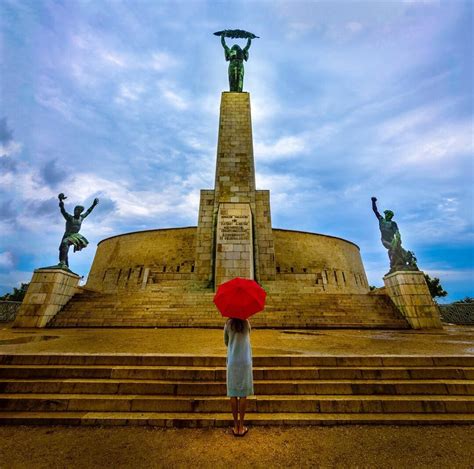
{"type": "Point", "coordinates": [374, 208]}
{"type": "Point", "coordinates": [89, 210]}
{"type": "Point", "coordinates": [226, 49]}
{"type": "Point", "coordinates": [245, 50]}
{"type": "Point", "coordinates": [66, 215]}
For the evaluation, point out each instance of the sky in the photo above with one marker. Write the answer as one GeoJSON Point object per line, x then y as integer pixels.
{"type": "Point", "coordinates": [120, 100]}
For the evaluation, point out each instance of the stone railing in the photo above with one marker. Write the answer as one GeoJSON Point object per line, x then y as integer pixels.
{"type": "Point", "coordinates": [8, 310]}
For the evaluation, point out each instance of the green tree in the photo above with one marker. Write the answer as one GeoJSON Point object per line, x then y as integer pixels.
{"type": "Point", "coordinates": [435, 287]}
{"type": "Point", "coordinates": [17, 295]}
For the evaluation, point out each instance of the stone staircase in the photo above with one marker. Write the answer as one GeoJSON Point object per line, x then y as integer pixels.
{"type": "Point", "coordinates": [184, 308]}
{"type": "Point", "coordinates": [189, 391]}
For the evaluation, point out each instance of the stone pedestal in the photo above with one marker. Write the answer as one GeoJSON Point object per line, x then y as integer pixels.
{"type": "Point", "coordinates": [49, 290]}
{"type": "Point", "coordinates": [234, 245]}
{"type": "Point", "coordinates": [410, 293]}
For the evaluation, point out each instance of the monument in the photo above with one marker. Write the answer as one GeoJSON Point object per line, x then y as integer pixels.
{"type": "Point", "coordinates": [405, 284]}
{"type": "Point", "coordinates": [52, 287]}
{"type": "Point", "coordinates": [167, 277]}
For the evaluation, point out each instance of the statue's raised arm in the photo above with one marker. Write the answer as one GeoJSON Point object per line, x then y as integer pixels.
{"type": "Point", "coordinates": [61, 198]}
{"type": "Point", "coordinates": [89, 210]}
{"type": "Point", "coordinates": [226, 49]}
{"type": "Point", "coordinates": [246, 49]}
{"type": "Point", "coordinates": [374, 208]}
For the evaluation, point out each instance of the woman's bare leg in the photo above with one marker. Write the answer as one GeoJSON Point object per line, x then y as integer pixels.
{"type": "Point", "coordinates": [242, 407]}
{"type": "Point", "coordinates": [235, 413]}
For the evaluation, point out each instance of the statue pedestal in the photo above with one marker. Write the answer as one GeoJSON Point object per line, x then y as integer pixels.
{"type": "Point", "coordinates": [49, 290]}
{"type": "Point", "coordinates": [410, 293]}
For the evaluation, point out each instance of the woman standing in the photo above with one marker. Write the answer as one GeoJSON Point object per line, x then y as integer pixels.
{"type": "Point", "coordinates": [239, 370]}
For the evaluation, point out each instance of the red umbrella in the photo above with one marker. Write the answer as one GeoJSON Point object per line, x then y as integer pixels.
{"type": "Point", "coordinates": [240, 298]}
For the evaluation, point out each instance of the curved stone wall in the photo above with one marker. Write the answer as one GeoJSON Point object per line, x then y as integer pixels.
{"type": "Point", "coordinates": [304, 261]}
{"type": "Point", "coordinates": [333, 264]}
{"type": "Point", "coordinates": [131, 259]}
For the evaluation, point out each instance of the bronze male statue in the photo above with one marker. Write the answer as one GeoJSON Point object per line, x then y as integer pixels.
{"type": "Point", "coordinates": [392, 240]}
{"type": "Point", "coordinates": [71, 235]}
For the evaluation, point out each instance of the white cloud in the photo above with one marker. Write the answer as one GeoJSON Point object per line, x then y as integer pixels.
{"type": "Point", "coordinates": [26, 183]}
{"type": "Point", "coordinates": [129, 92]}
{"type": "Point", "coordinates": [451, 275]}
{"type": "Point", "coordinates": [161, 61]}
{"type": "Point", "coordinates": [6, 259]}
{"type": "Point", "coordinates": [354, 26]}
{"type": "Point", "coordinates": [174, 97]}
{"type": "Point", "coordinates": [50, 95]}
{"type": "Point", "coordinates": [444, 142]}
{"type": "Point", "coordinates": [289, 146]}
{"type": "Point", "coordinates": [15, 277]}
{"type": "Point", "coordinates": [10, 149]}
{"type": "Point", "coordinates": [296, 29]}
{"type": "Point", "coordinates": [408, 123]}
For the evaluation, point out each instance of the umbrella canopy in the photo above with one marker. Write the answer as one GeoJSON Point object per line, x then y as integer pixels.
{"type": "Point", "coordinates": [239, 298]}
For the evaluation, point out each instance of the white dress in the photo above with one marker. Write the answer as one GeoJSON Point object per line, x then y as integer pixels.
{"type": "Point", "coordinates": [239, 361]}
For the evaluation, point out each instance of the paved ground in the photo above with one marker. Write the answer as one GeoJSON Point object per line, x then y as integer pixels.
{"type": "Point", "coordinates": [334, 447]}
{"type": "Point", "coordinates": [298, 447]}
{"type": "Point", "coordinates": [453, 340]}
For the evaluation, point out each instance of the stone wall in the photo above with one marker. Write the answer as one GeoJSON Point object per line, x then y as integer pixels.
{"type": "Point", "coordinates": [264, 237]}
{"type": "Point", "coordinates": [458, 313]}
{"type": "Point", "coordinates": [137, 260]}
{"type": "Point", "coordinates": [332, 263]}
{"type": "Point", "coordinates": [133, 260]}
{"type": "Point", "coordinates": [205, 238]}
{"type": "Point", "coordinates": [8, 310]}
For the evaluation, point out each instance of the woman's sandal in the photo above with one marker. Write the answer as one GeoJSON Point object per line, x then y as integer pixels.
{"type": "Point", "coordinates": [244, 432]}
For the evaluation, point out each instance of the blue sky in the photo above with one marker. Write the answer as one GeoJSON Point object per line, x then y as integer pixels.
{"type": "Point", "coordinates": [119, 100]}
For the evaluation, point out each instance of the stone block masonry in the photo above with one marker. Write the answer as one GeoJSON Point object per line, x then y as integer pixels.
{"type": "Point", "coordinates": [235, 169]}
{"type": "Point", "coordinates": [410, 293]}
{"type": "Point", "coordinates": [204, 262]}
{"type": "Point", "coordinates": [48, 292]}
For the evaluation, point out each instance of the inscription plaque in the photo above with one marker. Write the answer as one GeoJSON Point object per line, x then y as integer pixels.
{"type": "Point", "coordinates": [234, 246]}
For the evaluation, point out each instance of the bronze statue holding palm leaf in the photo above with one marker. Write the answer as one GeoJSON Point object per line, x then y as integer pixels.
{"type": "Point", "coordinates": [236, 56]}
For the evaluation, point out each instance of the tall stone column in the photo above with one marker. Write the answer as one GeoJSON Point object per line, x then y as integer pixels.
{"type": "Point", "coordinates": [232, 234]}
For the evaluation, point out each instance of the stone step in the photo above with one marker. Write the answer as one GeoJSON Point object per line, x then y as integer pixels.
{"type": "Point", "coordinates": [212, 325]}
{"type": "Point", "coordinates": [181, 308]}
{"type": "Point", "coordinates": [204, 420]}
{"type": "Point", "coordinates": [259, 404]}
{"type": "Point", "coordinates": [218, 323]}
{"type": "Point", "coordinates": [196, 373]}
{"type": "Point", "coordinates": [214, 388]}
{"type": "Point", "coordinates": [358, 361]}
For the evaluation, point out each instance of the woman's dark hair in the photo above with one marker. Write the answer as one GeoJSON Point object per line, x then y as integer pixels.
{"type": "Point", "coordinates": [237, 325]}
